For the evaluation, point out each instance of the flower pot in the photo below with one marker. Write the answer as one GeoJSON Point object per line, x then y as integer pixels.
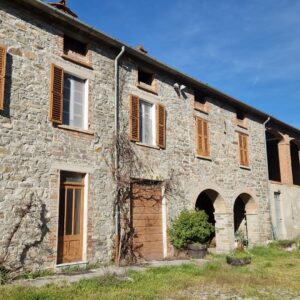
{"type": "Point", "coordinates": [197, 250]}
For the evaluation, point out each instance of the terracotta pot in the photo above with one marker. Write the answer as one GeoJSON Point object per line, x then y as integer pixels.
{"type": "Point", "coordinates": [197, 250]}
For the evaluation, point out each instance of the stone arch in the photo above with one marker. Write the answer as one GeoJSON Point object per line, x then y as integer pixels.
{"type": "Point", "coordinates": [214, 205]}
{"type": "Point", "coordinates": [245, 216]}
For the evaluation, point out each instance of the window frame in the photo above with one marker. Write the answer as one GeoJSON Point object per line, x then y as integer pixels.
{"type": "Point", "coordinates": [85, 100]}
{"type": "Point", "coordinates": [153, 122]}
{"type": "Point", "coordinates": [144, 86]}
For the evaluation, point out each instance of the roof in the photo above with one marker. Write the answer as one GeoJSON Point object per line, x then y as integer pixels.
{"type": "Point", "coordinates": [65, 18]}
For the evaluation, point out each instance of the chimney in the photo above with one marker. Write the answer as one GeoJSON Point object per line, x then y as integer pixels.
{"type": "Point", "coordinates": [62, 5]}
{"type": "Point", "coordinates": [141, 49]}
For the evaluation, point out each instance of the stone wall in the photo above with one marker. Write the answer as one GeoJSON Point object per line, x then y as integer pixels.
{"type": "Point", "coordinates": [33, 151]}
{"type": "Point", "coordinates": [285, 210]}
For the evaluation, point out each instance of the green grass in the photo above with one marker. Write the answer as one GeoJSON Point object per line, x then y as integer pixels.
{"type": "Point", "coordinates": [273, 274]}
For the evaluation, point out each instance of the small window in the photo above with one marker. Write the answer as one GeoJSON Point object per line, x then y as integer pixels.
{"type": "Point", "coordinates": [75, 46]}
{"type": "Point", "coordinates": [74, 101]}
{"type": "Point", "coordinates": [200, 97]}
{"type": "Point", "coordinates": [200, 101]}
{"type": "Point", "coordinates": [240, 115]}
{"type": "Point", "coordinates": [147, 123]}
{"type": "Point", "coordinates": [145, 77]}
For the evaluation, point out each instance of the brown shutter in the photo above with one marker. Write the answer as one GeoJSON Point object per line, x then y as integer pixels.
{"type": "Point", "coordinates": [243, 149]}
{"type": "Point", "coordinates": [160, 126]}
{"type": "Point", "coordinates": [246, 154]}
{"type": "Point", "coordinates": [2, 74]}
{"type": "Point", "coordinates": [134, 126]}
{"type": "Point", "coordinates": [202, 137]}
{"type": "Point", "coordinates": [56, 95]}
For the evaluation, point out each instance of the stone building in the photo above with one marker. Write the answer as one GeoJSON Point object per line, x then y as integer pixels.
{"type": "Point", "coordinates": [66, 92]}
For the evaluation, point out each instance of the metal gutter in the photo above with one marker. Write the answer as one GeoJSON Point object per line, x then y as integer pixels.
{"type": "Point", "coordinates": [190, 81]}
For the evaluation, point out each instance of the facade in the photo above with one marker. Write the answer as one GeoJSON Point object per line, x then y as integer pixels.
{"type": "Point", "coordinates": [181, 144]}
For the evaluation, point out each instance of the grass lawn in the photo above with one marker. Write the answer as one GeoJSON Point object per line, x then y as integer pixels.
{"type": "Point", "coordinates": [273, 274]}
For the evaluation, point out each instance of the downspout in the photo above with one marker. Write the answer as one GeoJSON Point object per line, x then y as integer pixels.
{"type": "Point", "coordinates": [116, 162]}
{"type": "Point", "coordinates": [268, 180]}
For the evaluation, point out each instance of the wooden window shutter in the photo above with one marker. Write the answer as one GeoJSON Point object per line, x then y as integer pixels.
{"type": "Point", "coordinates": [202, 137]}
{"type": "Point", "coordinates": [2, 74]}
{"type": "Point", "coordinates": [161, 126]}
{"type": "Point", "coordinates": [134, 118]}
{"type": "Point", "coordinates": [243, 145]}
{"type": "Point", "coordinates": [56, 95]}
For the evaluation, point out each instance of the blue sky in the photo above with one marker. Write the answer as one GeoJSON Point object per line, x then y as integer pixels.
{"type": "Point", "coordinates": [249, 49]}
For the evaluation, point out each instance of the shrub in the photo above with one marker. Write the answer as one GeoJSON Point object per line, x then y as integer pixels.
{"type": "Point", "coordinates": [190, 227]}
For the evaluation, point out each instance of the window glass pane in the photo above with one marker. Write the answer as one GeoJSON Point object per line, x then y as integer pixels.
{"type": "Point", "coordinates": [74, 101]}
{"type": "Point", "coordinates": [77, 211]}
{"type": "Point", "coordinates": [69, 215]}
{"type": "Point", "coordinates": [61, 217]}
{"type": "Point", "coordinates": [71, 177]}
{"type": "Point", "coordinates": [146, 123]}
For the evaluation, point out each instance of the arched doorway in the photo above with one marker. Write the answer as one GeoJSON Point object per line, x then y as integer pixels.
{"type": "Point", "coordinates": [213, 204]}
{"type": "Point", "coordinates": [245, 218]}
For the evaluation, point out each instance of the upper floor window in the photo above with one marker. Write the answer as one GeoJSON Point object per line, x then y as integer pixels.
{"type": "Point", "coordinates": [146, 81]}
{"type": "Point", "coordinates": [68, 100]}
{"type": "Point", "coordinates": [147, 122]}
{"type": "Point", "coordinates": [241, 119]}
{"type": "Point", "coordinates": [200, 101]}
{"type": "Point", "coordinates": [74, 101]}
{"type": "Point", "coordinates": [243, 149]}
{"type": "Point", "coordinates": [72, 45]}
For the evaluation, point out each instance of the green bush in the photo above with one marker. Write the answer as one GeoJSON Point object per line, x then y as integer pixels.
{"type": "Point", "coordinates": [190, 227]}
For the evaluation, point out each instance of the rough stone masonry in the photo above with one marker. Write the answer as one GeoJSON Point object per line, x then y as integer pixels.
{"type": "Point", "coordinates": [33, 151]}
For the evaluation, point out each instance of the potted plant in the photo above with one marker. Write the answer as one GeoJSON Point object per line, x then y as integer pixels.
{"type": "Point", "coordinates": [240, 240]}
{"type": "Point", "coordinates": [191, 231]}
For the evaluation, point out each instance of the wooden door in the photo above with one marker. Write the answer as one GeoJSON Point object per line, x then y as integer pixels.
{"type": "Point", "coordinates": [147, 221]}
{"type": "Point", "coordinates": [70, 232]}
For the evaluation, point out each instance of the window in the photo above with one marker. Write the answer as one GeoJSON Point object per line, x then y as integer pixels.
{"type": "Point", "coordinates": [68, 100]}
{"type": "Point", "coordinates": [241, 119]}
{"type": "Point", "coordinates": [147, 123]}
{"type": "Point", "coordinates": [200, 101]}
{"type": "Point", "coordinates": [145, 77]}
{"type": "Point", "coordinates": [75, 46]}
{"type": "Point", "coordinates": [74, 101]}
{"type": "Point", "coordinates": [243, 149]}
{"type": "Point", "coordinates": [202, 137]}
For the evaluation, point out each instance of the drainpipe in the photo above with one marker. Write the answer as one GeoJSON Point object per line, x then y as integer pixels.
{"type": "Point", "coordinates": [116, 162]}
{"type": "Point", "coordinates": [269, 186]}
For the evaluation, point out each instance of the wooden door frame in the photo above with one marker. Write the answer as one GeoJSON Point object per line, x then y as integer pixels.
{"type": "Point", "coordinates": [73, 185]}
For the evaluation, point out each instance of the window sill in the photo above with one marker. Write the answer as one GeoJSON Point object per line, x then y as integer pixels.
{"type": "Point", "coordinates": [75, 129]}
{"type": "Point", "coordinates": [245, 168]}
{"type": "Point", "coordinates": [204, 157]}
{"type": "Point", "coordinates": [77, 61]}
{"type": "Point", "coordinates": [242, 126]}
{"type": "Point", "coordinates": [147, 88]}
{"type": "Point", "coordinates": [147, 145]}
{"type": "Point", "coordinates": [204, 111]}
